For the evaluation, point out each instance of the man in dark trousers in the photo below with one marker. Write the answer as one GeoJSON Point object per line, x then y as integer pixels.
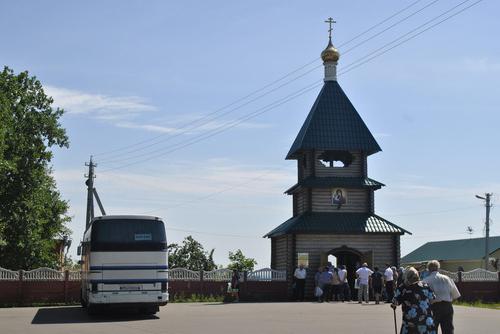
{"type": "Point", "coordinates": [300, 282]}
{"type": "Point", "coordinates": [389, 282]}
{"type": "Point", "coordinates": [446, 291]}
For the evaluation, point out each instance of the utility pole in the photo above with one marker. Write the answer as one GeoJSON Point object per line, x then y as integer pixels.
{"type": "Point", "coordinates": [90, 192]}
{"type": "Point", "coordinates": [487, 200]}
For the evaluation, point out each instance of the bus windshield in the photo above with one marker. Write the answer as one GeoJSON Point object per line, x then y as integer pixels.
{"type": "Point", "coordinates": [128, 235]}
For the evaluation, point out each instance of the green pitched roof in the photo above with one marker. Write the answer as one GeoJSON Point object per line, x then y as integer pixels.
{"type": "Point", "coordinates": [328, 182]}
{"type": "Point", "coordinates": [337, 223]}
{"type": "Point", "coordinates": [333, 124]}
{"type": "Point", "coordinates": [462, 249]}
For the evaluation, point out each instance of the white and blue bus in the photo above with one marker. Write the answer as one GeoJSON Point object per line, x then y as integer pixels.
{"type": "Point", "coordinates": [124, 263]}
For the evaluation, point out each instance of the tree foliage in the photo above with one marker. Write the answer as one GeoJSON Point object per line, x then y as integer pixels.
{"type": "Point", "coordinates": [240, 262]}
{"type": "Point", "coordinates": [32, 213]}
{"type": "Point", "coordinates": [191, 255]}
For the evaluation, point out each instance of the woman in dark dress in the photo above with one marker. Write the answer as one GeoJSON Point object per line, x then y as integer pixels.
{"type": "Point", "coordinates": [415, 299]}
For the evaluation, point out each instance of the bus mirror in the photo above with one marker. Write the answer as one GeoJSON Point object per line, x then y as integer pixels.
{"type": "Point", "coordinates": [79, 250]}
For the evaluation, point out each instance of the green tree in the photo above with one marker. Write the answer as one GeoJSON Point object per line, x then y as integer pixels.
{"type": "Point", "coordinates": [190, 255]}
{"type": "Point", "coordinates": [32, 213]}
{"type": "Point", "coordinates": [240, 262]}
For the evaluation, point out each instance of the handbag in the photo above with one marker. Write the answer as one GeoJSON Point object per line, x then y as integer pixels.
{"type": "Point", "coordinates": [318, 292]}
{"type": "Point", "coordinates": [356, 283]}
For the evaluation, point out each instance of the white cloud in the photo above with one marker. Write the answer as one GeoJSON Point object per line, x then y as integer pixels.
{"type": "Point", "coordinates": [194, 128]}
{"type": "Point", "coordinates": [98, 106]}
{"type": "Point", "coordinates": [122, 111]}
{"type": "Point", "coordinates": [149, 127]}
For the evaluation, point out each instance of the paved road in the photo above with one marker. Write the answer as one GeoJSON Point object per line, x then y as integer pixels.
{"type": "Point", "coordinates": [233, 318]}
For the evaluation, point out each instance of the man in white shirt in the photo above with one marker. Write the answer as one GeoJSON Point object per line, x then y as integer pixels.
{"type": "Point", "coordinates": [344, 286]}
{"type": "Point", "coordinates": [363, 275]}
{"type": "Point", "coordinates": [389, 282]}
{"type": "Point", "coordinates": [300, 282]}
{"type": "Point", "coordinates": [445, 291]}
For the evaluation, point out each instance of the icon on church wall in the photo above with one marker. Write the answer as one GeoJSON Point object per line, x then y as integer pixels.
{"type": "Point", "coordinates": [339, 197]}
{"type": "Point", "coordinates": [303, 259]}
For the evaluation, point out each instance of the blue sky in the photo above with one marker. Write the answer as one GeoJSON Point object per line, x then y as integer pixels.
{"type": "Point", "coordinates": [130, 71]}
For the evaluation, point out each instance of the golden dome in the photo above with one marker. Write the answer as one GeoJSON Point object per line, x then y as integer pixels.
{"type": "Point", "coordinates": [330, 54]}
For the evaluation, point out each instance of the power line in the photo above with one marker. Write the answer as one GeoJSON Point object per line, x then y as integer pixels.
{"type": "Point", "coordinates": [274, 82]}
{"type": "Point", "coordinates": [209, 120]}
{"type": "Point", "coordinates": [390, 27]}
{"type": "Point", "coordinates": [350, 67]}
{"type": "Point", "coordinates": [222, 128]}
{"type": "Point", "coordinates": [380, 23]}
{"type": "Point", "coordinates": [355, 64]}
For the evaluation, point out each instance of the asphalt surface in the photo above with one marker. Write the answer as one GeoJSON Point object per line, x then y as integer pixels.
{"type": "Point", "coordinates": [254, 318]}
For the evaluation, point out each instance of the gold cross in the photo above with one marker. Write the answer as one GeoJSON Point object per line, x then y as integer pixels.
{"type": "Point", "coordinates": [330, 21]}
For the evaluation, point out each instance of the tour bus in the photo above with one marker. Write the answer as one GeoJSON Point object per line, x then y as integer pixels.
{"type": "Point", "coordinates": [124, 263]}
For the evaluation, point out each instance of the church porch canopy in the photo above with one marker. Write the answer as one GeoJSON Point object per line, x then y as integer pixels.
{"type": "Point", "coordinates": [336, 223]}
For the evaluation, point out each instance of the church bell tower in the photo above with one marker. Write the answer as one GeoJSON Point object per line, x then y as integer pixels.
{"type": "Point", "coordinates": [333, 199]}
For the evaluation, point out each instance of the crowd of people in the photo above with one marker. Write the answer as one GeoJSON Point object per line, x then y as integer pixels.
{"type": "Point", "coordinates": [426, 297]}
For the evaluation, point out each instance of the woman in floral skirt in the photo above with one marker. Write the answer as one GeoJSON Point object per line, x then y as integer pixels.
{"type": "Point", "coordinates": [415, 299]}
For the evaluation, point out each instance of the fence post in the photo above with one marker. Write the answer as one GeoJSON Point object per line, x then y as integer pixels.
{"type": "Point", "coordinates": [20, 294]}
{"type": "Point", "coordinates": [460, 276]}
{"type": "Point", "coordinates": [66, 279]}
{"type": "Point", "coordinates": [245, 276]}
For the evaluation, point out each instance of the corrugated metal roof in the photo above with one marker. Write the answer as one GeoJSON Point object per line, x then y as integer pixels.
{"type": "Point", "coordinates": [333, 222]}
{"type": "Point", "coordinates": [327, 182]}
{"type": "Point", "coordinates": [333, 124]}
{"type": "Point", "coordinates": [462, 249]}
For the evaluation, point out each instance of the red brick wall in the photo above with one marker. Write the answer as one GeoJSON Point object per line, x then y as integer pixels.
{"type": "Point", "coordinates": [485, 291]}
{"type": "Point", "coordinates": [28, 292]}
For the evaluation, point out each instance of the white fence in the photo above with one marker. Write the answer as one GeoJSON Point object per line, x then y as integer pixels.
{"type": "Point", "coordinates": [175, 274]}
{"type": "Point", "coordinates": [266, 274]}
{"type": "Point", "coordinates": [218, 275]}
{"type": "Point", "coordinates": [182, 274]}
{"type": "Point", "coordinates": [475, 275]}
{"type": "Point", "coordinates": [43, 274]}
{"type": "Point", "coordinates": [8, 275]}
{"type": "Point", "coordinates": [480, 275]}
{"type": "Point", "coordinates": [452, 275]}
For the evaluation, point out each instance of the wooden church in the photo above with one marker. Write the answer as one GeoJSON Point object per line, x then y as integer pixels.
{"type": "Point", "coordinates": [333, 199]}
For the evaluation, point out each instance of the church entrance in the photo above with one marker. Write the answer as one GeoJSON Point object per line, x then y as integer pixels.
{"type": "Point", "coordinates": [350, 258]}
